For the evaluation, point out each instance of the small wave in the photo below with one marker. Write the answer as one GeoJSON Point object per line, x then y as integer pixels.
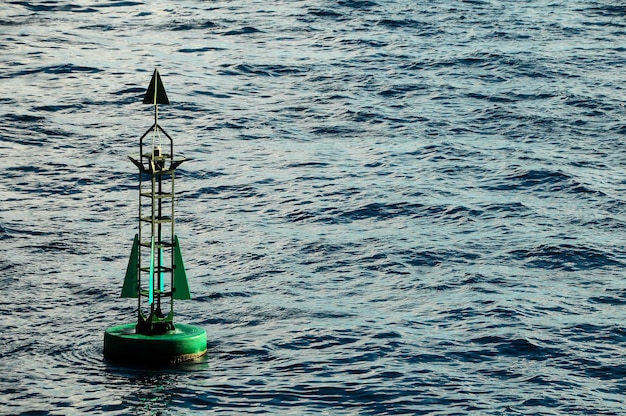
{"type": "Point", "coordinates": [72, 248]}
{"type": "Point", "coordinates": [246, 30]}
{"type": "Point", "coordinates": [513, 207]}
{"type": "Point", "coordinates": [434, 258]}
{"type": "Point", "coordinates": [539, 180]}
{"type": "Point", "coordinates": [358, 4]}
{"type": "Point", "coordinates": [565, 257]}
{"type": "Point", "coordinates": [81, 354]}
{"type": "Point", "coordinates": [120, 4]}
{"type": "Point", "coordinates": [609, 300]}
{"type": "Point", "coordinates": [314, 165]}
{"type": "Point", "coordinates": [261, 70]}
{"type": "Point", "coordinates": [501, 98]}
{"type": "Point", "coordinates": [517, 347]}
{"type": "Point", "coordinates": [316, 341]}
{"type": "Point", "coordinates": [190, 25]}
{"type": "Point", "coordinates": [534, 177]}
{"type": "Point", "coordinates": [403, 23]}
{"type": "Point", "coordinates": [403, 90]}
{"type": "Point", "coordinates": [136, 91]}
{"type": "Point", "coordinates": [24, 118]}
{"type": "Point", "coordinates": [609, 10]}
{"type": "Point", "coordinates": [54, 69]}
{"type": "Point", "coordinates": [325, 13]}
{"type": "Point", "coordinates": [451, 213]}
{"type": "Point", "coordinates": [227, 191]}
{"type": "Point", "coordinates": [99, 27]}
{"type": "Point", "coordinates": [39, 7]}
{"type": "Point", "coordinates": [379, 211]}
{"type": "Point", "coordinates": [69, 69]}
{"type": "Point", "coordinates": [606, 372]}
{"type": "Point", "coordinates": [59, 108]}
{"type": "Point", "coordinates": [334, 130]}
{"type": "Point", "coordinates": [200, 50]}
{"type": "Point", "coordinates": [522, 179]}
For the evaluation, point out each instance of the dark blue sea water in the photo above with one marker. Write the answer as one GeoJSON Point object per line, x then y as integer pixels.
{"type": "Point", "coordinates": [392, 207]}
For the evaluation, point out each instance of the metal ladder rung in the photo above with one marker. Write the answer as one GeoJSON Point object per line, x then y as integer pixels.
{"type": "Point", "coordinates": [164, 293]}
{"type": "Point", "coordinates": [162, 269]}
{"type": "Point", "coordinates": [157, 195]}
{"type": "Point", "coordinates": [162, 244]}
{"type": "Point", "coordinates": [157, 220]}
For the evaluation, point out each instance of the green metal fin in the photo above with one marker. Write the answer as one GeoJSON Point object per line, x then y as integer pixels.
{"type": "Point", "coordinates": [129, 290]}
{"type": "Point", "coordinates": [181, 287]}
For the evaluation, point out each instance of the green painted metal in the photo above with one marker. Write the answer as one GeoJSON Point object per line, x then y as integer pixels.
{"type": "Point", "coordinates": [151, 284]}
{"type": "Point", "coordinates": [129, 290]}
{"type": "Point", "coordinates": [158, 277]}
{"type": "Point", "coordinates": [122, 343]}
{"type": "Point", "coordinates": [161, 274]}
{"type": "Point", "coordinates": [154, 339]}
{"type": "Point", "coordinates": [181, 286]}
{"type": "Point", "coordinates": [156, 91]}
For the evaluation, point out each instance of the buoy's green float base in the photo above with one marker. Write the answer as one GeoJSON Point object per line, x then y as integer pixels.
{"type": "Point", "coordinates": [122, 344]}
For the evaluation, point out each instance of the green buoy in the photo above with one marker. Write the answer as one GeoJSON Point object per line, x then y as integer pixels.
{"type": "Point", "coordinates": [156, 274]}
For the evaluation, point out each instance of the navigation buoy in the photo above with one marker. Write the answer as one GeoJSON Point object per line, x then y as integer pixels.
{"type": "Point", "coordinates": [156, 274]}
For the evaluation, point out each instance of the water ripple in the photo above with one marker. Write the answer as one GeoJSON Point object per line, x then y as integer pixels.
{"type": "Point", "coordinates": [388, 207]}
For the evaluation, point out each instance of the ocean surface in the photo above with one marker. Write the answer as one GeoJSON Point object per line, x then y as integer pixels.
{"type": "Point", "coordinates": [390, 207]}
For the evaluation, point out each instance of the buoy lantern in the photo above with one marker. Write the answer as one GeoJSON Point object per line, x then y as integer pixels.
{"type": "Point", "coordinates": [156, 274]}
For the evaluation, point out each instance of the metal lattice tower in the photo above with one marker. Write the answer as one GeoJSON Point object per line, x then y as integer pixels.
{"type": "Point", "coordinates": [156, 272]}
